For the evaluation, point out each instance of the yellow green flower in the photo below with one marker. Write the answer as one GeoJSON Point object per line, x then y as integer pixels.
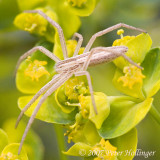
{"type": "Point", "coordinates": [74, 87]}
{"type": "Point", "coordinates": [36, 24]}
{"type": "Point", "coordinates": [106, 150]}
{"type": "Point", "coordinates": [137, 49]}
{"type": "Point", "coordinates": [36, 69]}
{"type": "Point", "coordinates": [132, 76]}
{"type": "Point", "coordinates": [9, 156]}
{"type": "Point", "coordinates": [77, 3]}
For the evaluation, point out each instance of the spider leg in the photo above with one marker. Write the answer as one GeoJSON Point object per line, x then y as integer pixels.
{"type": "Point", "coordinates": [41, 91]}
{"type": "Point", "coordinates": [130, 61]}
{"type": "Point", "coordinates": [80, 41]}
{"type": "Point", "coordinates": [48, 93]}
{"type": "Point", "coordinates": [56, 25]}
{"type": "Point", "coordinates": [100, 33]}
{"type": "Point", "coordinates": [34, 49]}
{"type": "Point", "coordinates": [80, 73]}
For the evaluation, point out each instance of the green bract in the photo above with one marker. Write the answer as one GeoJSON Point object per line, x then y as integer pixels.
{"type": "Point", "coordinates": [30, 4]}
{"type": "Point", "coordinates": [127, 142]}
{"type": "Point", "coordinates": [123, 144]}
{"type": "Point", "coordinates": [136, 91]}
{"type": "Point", "coordinates": [71, 46]}
{"type": "Point", "coordinates": [36, 24]}
{"type": "Point", "coordinates": [32, 145]}
{"type": "Point", "coordinates": [49, 111]}
{"type": "Point", "coordinates": [75, 92]}
{"type": "Point", "coordinates": [4, 140]}
{"type": "Point", "coordinates": [103, 108]}
{"type": "Point", "coordinates": [82, 7]}
{"type": "Point", "coordinates": [152, 72]}
{"type": "Point", "coordinates": [124, 115]}
{"type": "Point", "coordinates": [137, 49]}
{"type": "Point", "coordinates": [10, 152]}
{"type": "Point", "coordinates": [77, 7]}
{"type": "Point", "coordinates": [25, 83]}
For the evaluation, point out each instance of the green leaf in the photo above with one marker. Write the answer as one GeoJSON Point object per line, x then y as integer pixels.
{"type": "Point", "coordinates": [67, 96]}
{"type": "Point", "coordinates": [84, 9]}
{"type": "Point", "coordinates": [69, 22]}
{"type": "Point", "coordinates": [61, 98]}
{"type": "Point", "coordinates": [79, 149]}
{"type": "Point", "coordinates": [135, 91]}
{"type": "Point", "coordinates": [124, 115]}
{"type": "Point", "coordinates": [25, 83]}
{"type": "Point", "coordinates": [30, 4]}
{"type": "Point", "coordinates": [103, 108]}
{"type": "Point", "coordinates": [151, 66]}
{"type": "Point", "coordinates": [91, 134]}
{"type": "Point", "coordinates": [138, 47]}
{"type": "Point", "coordinates": [3, 140]}
{"type": "Point", "coordinates": [32, 144]}
{"type": "Point", "coordinates": [49, 111]}
{"type": "Point", "coordinates": [11, 152]}
{"type": "Point", "coordinates": [125, 144]}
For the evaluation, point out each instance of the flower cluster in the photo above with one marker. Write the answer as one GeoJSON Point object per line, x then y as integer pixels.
{"type": "Point", "coordinates": [113, 128]}
{"type": "Point", "coordinates": [9, 143]}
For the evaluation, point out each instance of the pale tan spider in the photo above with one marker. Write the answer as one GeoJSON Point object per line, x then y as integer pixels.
{"type": "Point", "coordinates": [76, 65]}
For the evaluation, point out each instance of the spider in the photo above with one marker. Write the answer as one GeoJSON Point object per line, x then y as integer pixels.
{"type": "Point", "coordinates": [76, 65]}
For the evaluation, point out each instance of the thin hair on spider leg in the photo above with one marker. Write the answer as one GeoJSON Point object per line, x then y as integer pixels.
{"type": "Point", "coordinates": [105, 31]}
{"type": "Point", "coordinates": [34, 49]}
{"type": "Point", "coordinates": [131, 62]}
{"type": "Point", "coordinates": [41, 91]}
{"type": "Point", "coordinates": [79, 44]}
{"type": "Point", "coordinates": [57, 26]}
{"type": "Point", "coordinates": [48, 93]}
{"type": "Point", "coordinates": [80, 73]}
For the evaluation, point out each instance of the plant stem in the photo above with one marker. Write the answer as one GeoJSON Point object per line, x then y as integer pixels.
{"type": "Point", "coordinates": [61, 141]}
{"type": "Point", "coordinates": [155, 114]}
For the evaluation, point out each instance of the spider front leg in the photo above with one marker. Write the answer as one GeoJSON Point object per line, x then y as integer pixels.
{"type": "Point", "coordinates": [105, 31]}
{"type": "Point", "coordinates": [64, 77]}
{"type": "Point", "coordinates": [34, 49]}
{"type": "Point", "coordinates": [41, 91]}
{"type": "Point", "coordinates": [81, 73]}
{"type": "Point", "coordinates": [80, 41]}
{"type": "Point", "coordinates": [57, 26]}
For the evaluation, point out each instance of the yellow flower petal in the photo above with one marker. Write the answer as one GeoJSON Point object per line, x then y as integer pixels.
{"type": "Point", "coordinates": [71, 46]}
{"type": "Point", "coordinates": [9, 156]}
{"type": "Point", "coordinates": [36, 69]}
{"type": "Point", "coordinates": [106, 150]}
{"type": "Point", "coordinates": [75, 87]}
{"type": "Point", "coordinates": [133, 75]}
